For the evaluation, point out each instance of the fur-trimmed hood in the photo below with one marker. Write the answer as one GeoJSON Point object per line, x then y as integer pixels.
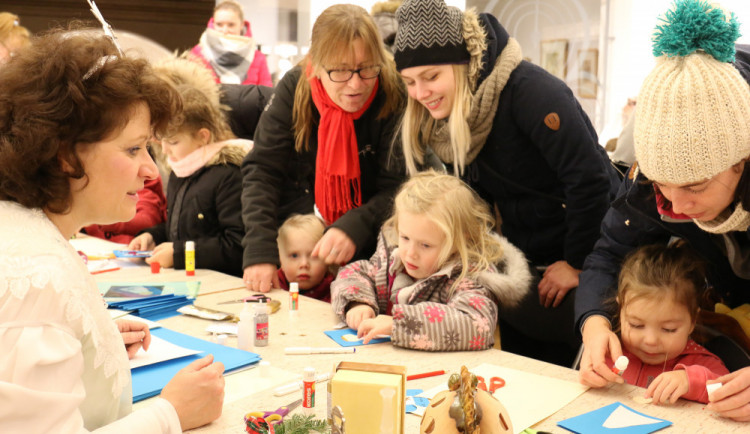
{"type": "Point", "coordinates": [509, 284]}
{"type": "Point", "coordinates": [387, 7]}
{"type": "Point", "coordinates": [232, 152]}
{"type": "Point", "coordinates": [513, 279]}
{"type": "Point", "coordinates": [485, 40]}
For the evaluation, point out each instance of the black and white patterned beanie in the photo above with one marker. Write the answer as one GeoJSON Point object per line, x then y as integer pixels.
{"type": "Point", "coordinates": [429, 33]}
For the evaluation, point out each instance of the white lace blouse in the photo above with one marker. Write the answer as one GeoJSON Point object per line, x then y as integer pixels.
{"type": "Point", "coordinates": [63, 365]}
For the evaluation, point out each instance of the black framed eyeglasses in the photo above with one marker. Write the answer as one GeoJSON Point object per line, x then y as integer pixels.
{"type": "Point", "coordinates": [343, 75]}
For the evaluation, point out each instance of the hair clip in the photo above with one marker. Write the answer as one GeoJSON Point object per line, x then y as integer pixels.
{"type": "Point", "coordinates": [16, 23]}
{"type": "Point", "coordinates": [98, 65]}
{"type": "Point", "coordinates": [105, 26]}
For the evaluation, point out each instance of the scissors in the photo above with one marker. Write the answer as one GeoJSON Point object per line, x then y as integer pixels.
{"type": "Point", "coordinates": [274, 417]}
{"type": "Point", "coordinates": [495, 383]}
{"type": "Point", "coordinates": [252, 299]}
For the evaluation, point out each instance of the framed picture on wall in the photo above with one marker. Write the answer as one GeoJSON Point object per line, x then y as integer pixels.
{"type": "Point", "coordinates": [588, 63]}
{"type": "Point", "coordinates": [555, 57]}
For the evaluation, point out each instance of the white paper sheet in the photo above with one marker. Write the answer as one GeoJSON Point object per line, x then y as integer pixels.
{"type": "Point", "coordinates": [623, 418]}
{"type": "Point", "coordinates": [528, 397]}
{"type": "Point", "coordinates": [159, 351]}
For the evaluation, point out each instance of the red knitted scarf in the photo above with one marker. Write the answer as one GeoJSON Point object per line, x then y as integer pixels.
{"type": "Point", "coordinates": [337, 175]}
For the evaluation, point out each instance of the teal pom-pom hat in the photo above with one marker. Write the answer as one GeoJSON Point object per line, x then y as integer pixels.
{"type": "Point", "coordinates": [693, 113]}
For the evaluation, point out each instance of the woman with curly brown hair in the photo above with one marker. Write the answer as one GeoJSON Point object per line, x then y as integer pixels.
{"type": "Point", "coordinates": [73, 152]}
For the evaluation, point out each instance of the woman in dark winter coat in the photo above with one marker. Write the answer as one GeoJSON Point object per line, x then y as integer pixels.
{"type": "Point", "coordinates": [324, 143]}
{"type": "Point", "coordinates": [518, 136]}
{"type": "Point", "coordinates": [691, 180]}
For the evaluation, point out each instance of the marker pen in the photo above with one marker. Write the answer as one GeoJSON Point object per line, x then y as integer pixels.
{"type": "Point", "coordinates": [319, 350]}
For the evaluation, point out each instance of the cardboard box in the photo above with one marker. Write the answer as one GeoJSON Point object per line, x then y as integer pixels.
{"type": "Point", "coordinates": [371, 397]}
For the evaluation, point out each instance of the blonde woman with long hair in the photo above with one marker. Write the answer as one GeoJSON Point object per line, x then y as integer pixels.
{"type": "Point", "coordinates": [324, 144]}
{"type": "Point", "coordinates": [518, 136]}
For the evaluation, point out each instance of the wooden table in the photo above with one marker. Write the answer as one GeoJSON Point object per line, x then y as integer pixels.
{"type": "Point", "coordinates": [316, 316]}
{"type": "Point", "coordinates": [306, 329]}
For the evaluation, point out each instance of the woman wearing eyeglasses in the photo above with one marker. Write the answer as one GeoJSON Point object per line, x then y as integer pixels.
{"type": "Point", "coordinates": [324, 143]}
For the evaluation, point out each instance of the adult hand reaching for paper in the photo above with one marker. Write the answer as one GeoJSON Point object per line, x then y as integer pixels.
{"type": "Point", "coordinates": [197, 392]}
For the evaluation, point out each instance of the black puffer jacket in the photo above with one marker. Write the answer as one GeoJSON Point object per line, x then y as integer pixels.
{"type": "Point", "coordinates": [210, 214]}
{"type": "Point", "coordinates": [245, 103]}
{"type": "Point", "coordinates": [552, 187]}
{"type": "Point", "coordinates": [278, 181]}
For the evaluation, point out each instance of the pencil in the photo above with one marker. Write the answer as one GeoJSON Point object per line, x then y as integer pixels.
{"type": "Point", "coordinates": [424, 375]}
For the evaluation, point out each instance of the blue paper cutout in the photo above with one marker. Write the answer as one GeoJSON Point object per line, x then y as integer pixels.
{"type": "Point", "coordinates": [592, 422]}
{"type": "Point", "coordinates": [413, 401]}
{"type": "Point", "coordinates": [337, 336]}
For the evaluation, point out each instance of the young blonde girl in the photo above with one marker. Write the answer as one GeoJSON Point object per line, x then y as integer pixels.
{"type": "Point", "coordinates": [658, 298]}
{"type": "Point", "coordinates": [438, 273]}
{"type": "Point", "coordinates": [297, 238]}
{"type": "Point", "coordinates": [205, 184]}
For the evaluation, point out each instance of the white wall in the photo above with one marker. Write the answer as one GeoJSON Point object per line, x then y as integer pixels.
{"type": "Point", "coordinates": [631, 25]}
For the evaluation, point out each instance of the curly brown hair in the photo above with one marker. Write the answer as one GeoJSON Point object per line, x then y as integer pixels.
{"type": "Point", "coordinates": [67, 91]}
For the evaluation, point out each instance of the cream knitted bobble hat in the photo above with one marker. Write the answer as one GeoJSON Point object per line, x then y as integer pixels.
{"type": "Point", "coordinates": [693, 113]}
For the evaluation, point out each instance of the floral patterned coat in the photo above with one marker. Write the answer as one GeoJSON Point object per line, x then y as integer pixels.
{"type": "Point", "coordinates": [426, 315]}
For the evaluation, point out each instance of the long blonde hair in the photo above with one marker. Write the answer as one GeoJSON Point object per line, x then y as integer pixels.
{"type": "Point", "coordinates": [417, 126]}
{"type": "Point", "coordinates": [461, 215]}
{"type": "Point", "coordinates": [332, 36]}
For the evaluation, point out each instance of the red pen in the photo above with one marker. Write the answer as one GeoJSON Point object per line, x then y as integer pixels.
{"type": "Point", "coordinates": [424, 375]}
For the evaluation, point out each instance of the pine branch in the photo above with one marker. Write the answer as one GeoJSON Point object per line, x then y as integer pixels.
{"type": "Point", "coordinates": [301, 424]}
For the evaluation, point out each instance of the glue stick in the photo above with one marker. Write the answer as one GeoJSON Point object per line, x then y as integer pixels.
{"type": "Point", "coordinates": [293, 296]}
{"type": "Point", "coordinates": [621, 364]}
{"type": "Point", "coordinates": [190, 258]}
{"type": "Point", "coordinates": [308, 390]}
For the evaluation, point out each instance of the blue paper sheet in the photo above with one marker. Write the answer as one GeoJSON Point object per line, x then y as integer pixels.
{"type": "Point", "coordinates": [153, 308]}
{"type": "Point", "coordinates": [149, 380]}
{"type": "Point", "coordinates": [593, 422]}
{"type": "Point", "coordinates": [337, 336]}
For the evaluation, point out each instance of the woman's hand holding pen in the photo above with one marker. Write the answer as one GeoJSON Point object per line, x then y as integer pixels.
{"type": "Point", "coordinates": [598, 340]}
{"type": "Point", "coordinates": [732, 399]}
{"type": "Point", "coordinates": [135, 335]}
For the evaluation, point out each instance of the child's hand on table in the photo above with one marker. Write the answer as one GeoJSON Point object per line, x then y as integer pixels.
{"type": "Point", "coordinates": [144, 241]}
{"type": "Point", "coordinates": [360, 312]}
{"type": "Point", "coordinates": [370, 328]}
{"type": "Point", "coordinates": [668, 387]}
{"type": "Point", "coordinates": [163, 254]}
